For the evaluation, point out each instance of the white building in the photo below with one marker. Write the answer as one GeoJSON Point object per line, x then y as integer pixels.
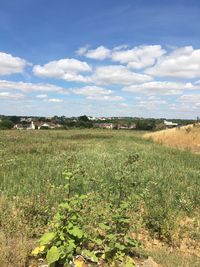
{"type": "Point", "coordinates": [170, 124]}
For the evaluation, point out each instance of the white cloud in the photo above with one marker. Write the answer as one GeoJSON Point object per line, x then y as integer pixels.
{"type": "Point", "coordinates": [117, 74]}
{"type": "Point", "coordinates": [123, 105]}
{"type": "Point", "coordinates": [82, 50]}
{"type": "Point", "coordinates": [120, 47]}
{"type": "Point", "coordinates": [181, 63]}
{"type": "Point", "coordinates": [42, 96]}
{"type": "Point", "coordinates": [66, 69]}
{"type": "Point", "coordinates": [100, 53]}
{"type": "Point", "coordinates": [8, 95]}
{"type": "Point", "coordinates": [91, 91]}
{"type": "Point", "coordinates": [192, 99]}
{"type": "Point", "coordinates": [56, 100]}
{"type": "Point", "coordinates": [151, 103]}
{"type": "Point", "coordinates": [106, 98]}
{"type": "Point", "coordinates": [10, 64]}
{"type": "Point", "coordinates": [139, 57]}
{"type": "Point", "coordinates": [157, 87]}
{"type": "Point", "coordinates": [97, 93]}
{"type": "Point", "coordinates": [30, 87]}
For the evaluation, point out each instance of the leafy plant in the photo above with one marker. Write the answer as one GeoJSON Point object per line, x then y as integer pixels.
{"type": "Point", "coordinates": [72, 233]}
{"type": "Point", "coordinates": [69, 235]}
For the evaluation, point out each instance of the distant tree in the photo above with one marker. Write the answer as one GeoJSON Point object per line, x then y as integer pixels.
{"type": "Point", "coordinates": [41, 119]}
{"type": "Point", "coordinates": [83, 118]}
{"type": "Point", "coordinates": [6, 124]}
{"type": "Point", "coordinates": [145, 124]}
{"type": "Point", "coordinates": [15, 119]}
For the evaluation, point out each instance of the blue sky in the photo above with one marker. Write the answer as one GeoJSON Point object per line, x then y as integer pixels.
{"type": "Point", "coordinates": [100, 58]}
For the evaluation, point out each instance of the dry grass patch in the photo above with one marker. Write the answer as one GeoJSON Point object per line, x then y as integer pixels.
{"type": "Point", "coordinates": [186, 137]}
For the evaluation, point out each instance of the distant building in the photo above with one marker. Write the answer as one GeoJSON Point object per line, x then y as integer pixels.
{"type": "Point", "coordinates": [31, 127]}
{"type": "Point", "coordinates": [105, 125]}
{"type": "Point", "coordinates": [126, 126]}
{"type": "Point", "coordinates": [92, 118]}
{"type": "Point", "coordinates": [37, 125]}
{"type": "Point", "coordinates": [20, 126]}
{"type": "Point", "coordinates": [170, 124]}
{"type": "Point", "coordinates": [26, 119]}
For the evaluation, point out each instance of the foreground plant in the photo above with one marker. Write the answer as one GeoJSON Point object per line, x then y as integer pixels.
{"type": "Point", "coordinates": [88, 226]}
{"type": "Point", "coordinates": [72, 233]}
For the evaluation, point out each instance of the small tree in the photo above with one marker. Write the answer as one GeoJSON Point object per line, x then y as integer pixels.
{"type": "Point", "coordinates": [6, 124]}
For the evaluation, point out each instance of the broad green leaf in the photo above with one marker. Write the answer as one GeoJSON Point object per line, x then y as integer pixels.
{"type": "Point", "coordinates": [90, 255]}
{"type": "Point", "coordinates": [77, 232]}
{"type": "Point", "coordinates": [53, 255]}
{"type": "Point", "coordinates": [47, 238]}
{"type": "Point", "coordinates": [70, 247]}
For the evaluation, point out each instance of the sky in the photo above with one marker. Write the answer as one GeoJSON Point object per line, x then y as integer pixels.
{"type": "Point", "coordinates": [138, 58]}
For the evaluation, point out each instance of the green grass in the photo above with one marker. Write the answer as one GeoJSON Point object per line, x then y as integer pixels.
{"type": "Point", "coordinates": [165, 182]}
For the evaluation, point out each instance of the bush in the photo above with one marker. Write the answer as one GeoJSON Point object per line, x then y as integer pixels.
{"type": "Point", "coordinates": [6, 124]}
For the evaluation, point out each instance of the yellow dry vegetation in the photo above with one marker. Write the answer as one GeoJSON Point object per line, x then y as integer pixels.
{"type": "Point", "coordinates": [186, 137]}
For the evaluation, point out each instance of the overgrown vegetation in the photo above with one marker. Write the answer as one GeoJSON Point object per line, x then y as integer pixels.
{"type": "Point", "coordinates": [116, 189]}
{"type": "Point", "coordinates": [186, 137]}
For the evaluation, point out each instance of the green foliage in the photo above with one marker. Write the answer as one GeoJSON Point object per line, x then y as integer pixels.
{"type": "Point", "coordinates": [69, 235]}
{"type": "Point", "coordinates": [53, 255]}
{"type": "Point", "coordinates": [108, 237]}
{"type": "Point", "coordinates": [161, 185]}
{"type": "Point", "coordinates": [6, 124]}
{"type": "Point", "coordinates": [146, 124]}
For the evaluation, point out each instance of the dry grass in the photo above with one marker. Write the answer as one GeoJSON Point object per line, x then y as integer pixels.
{"type": "Point", "coordinates": [186, 137]}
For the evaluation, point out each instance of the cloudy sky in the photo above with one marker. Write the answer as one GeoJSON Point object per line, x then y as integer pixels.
{"type": "Point", "coordinates": [100, 58]}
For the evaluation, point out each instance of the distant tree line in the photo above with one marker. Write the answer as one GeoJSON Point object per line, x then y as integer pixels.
{"type": "Point", "coordinates": [147, 124]}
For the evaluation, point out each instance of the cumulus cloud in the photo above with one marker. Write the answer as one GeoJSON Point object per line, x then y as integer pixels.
{"type": "Point", "coordinates": [139, 57]}
{"type": "Point", "coordinates": [192, 100]}
{"type": "Point", "coordinates": [30, 87]}
{"type": "Point", "coordinates": [157, 87]}
{"type": "Point", "coordinates": [68, 69]}
{"type": "Point", "coordinates": [180, 63]}
{"type": "Point", "coordinates": [117, 74]}
{"type": "Point", "coordinates": [187, 103]}
{"type": "Point", "coordinates": [152, 103]}
{"type": "Point", "coordinates": [100, 53]}
{"type": "Point", "coordinates": [10, 64]}
{"type": "Point", "coordinates": [8, 95]}
{"type": "Point", "coordinates": [56, 100]}
{"type": "Point", "coordinates": [97, 93]}
{"type": "Point", "coordinates": [82, 50]}
{"type": "Point", "coordinates": [91, 91]}
{"type": "Point", "coordinates": [106, 98]}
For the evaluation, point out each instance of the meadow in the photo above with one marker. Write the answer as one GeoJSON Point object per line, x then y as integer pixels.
{"type": "Point", "coordinates": [152, 190]}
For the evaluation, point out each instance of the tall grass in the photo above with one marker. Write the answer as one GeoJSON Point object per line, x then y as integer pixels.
{"type": "Point", "coordinates": [164, 183]}
{"type": "Point", "coordinates": [186, 137]}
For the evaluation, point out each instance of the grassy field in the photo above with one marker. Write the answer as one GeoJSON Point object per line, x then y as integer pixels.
{"type": "Point", "coordinates": [185, 138]}
{"type": "Point", "coordinates": [161, 183]}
